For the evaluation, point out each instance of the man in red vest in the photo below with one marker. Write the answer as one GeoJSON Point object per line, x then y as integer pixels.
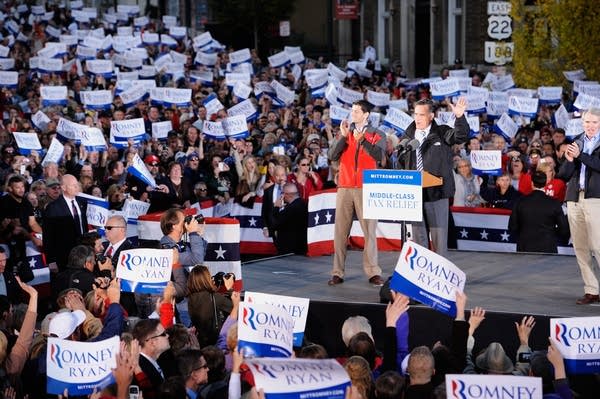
{"type": "Point", "coordinates": [360, 147]}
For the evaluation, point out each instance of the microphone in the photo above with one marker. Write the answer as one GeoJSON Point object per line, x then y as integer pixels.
{"type": "Point", "coordinates": [412, 145]}
{"type": "Point", "coordinates": [402, 144]}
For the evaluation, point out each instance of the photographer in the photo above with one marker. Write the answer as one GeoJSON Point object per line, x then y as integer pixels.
{"type": "Point", "coordinates": [174, 225]}
{"type": "Point", "coordinates": [208, 308]}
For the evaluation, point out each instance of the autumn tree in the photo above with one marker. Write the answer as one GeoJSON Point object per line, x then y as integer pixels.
{"type": "Point", "coordinates": [554, 36]}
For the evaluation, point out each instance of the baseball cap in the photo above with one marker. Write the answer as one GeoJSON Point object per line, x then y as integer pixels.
{"type": "Point", "coordinates": [52, 182]}
{"type": "Point", "coordinates": [64, 323]}
{"type": "Point", "coordinates": [152, 159]}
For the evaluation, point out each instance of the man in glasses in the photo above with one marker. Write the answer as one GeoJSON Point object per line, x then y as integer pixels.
{"type": "Point", "coordinates": [194, 369]}
{"type": "Point", "coordinates": [154, 341]}
{"type": "Point", "coordinates": [116, 234]}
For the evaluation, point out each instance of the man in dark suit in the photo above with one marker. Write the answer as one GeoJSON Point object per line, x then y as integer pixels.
{"type": "Point", "coordinates": [153, 340]}
{"type": "Point", "coordinates": [538, 219]}
{"type": "Point", "coordinates": [290, 221]}
{"type": "Point", "coordinates": [434, 155]}
{"type": "Point", "coordinates": [65, 222]}
{"type": "Point", "coordinates": [116, 234]}
{"type": "Point", "coordinates": [271, 195]}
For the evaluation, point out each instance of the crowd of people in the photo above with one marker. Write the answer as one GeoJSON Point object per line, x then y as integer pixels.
{"type": "Point", "coordinates": [290, 151]}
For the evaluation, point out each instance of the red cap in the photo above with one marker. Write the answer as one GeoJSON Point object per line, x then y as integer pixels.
{"type": "Point", "coordinates": [151, 159]}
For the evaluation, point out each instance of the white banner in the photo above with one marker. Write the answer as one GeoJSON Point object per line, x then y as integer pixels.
{"type": "Point", "coordinates": [285, 95]}
{"type": "Point", "coordinates": [392, 195]}
{"type": "Point", "coordinates": [80, 367]}
{"type": "Point", "coordinates": [495, 109]}
{"type": "Point", "coordinates": [242, 90]}
{"type": "Point", "coordinates": [549, 95]}
{"type": "Point", "coordinates": [9, 79]}
{"type": "Point", "coordinates": [97, 210]}
{"type": "Point", "coordinates": [348, 96]}
{"type": "Point", "coordinates": [40, 120]}
{"type": "Point", "coordinates": [49, 65]}
{"type": "Point", "coordinates": [397, 120]}
{"type": "Point", "coordinates": [561, 117]}
{"type": "Point", "coordinates": [27, 142]}
{"type": "Point", "coordinates": [93, 139]}
{"type": "Point", "coordinates": [296, 307]}
{"type": "Point", "coordinates": [235, 126]}
{"type": "Point", "coordinates": [474, 386]}
{"type": "Point", "coordinates": [442, 89]}
{"type": "Point", "coordinates": [232, 77]}
{"type": "Point", "coordinates": [338, 114]}
{"type": "Point", "coordinates": [506, 127]}
{"type": "Point", "coordinates": [486, 162]}
{"type": "Point", "coordinates": [264, 331]}
{"type": "Point", "coordinates": [53, 95]}
{"type": "Point", "coordinates": [133, 95]}
{"type": "Point", "coordinates": [150, 38]}
{"type": "Point", "coordinates": [70, 130]}
{"type": "Point", "coordinates": [503, 83]}
{"type": "Point", "coordinates": [572, 76]}
{"type": "Point", "coordinates": [523, 106]}
{"type": "Point", "coordinates": [299, 378]}
{"type": "Point", "coordinates": [139, 169]}
{"type": "Point", "coordinates": [212, 104]}
{"type": "Point", "coordinates": [160, 130]}
{"type": "Point", "coordinates": [240, 56]}
{"type": "Point", "coordinates": [378, 99]}
{"type": "Point", "coordinates": [100, 67]}
{"type": "Point", "coordinates": [577, 339]}
{"type": "Point", "coordinates": [127, 129]}
{"type": "Point", "coordinates": [145, 270]}
{"type": "Point", "coordinates": [97, 99]}
{"type": "Point", "coordinates": [574, 127]}
{"type": "Point", "coordinates": [208, 60]}
{"type": "Point", "coordinates": [428, 278]}
{"type": "Point", "coordinates": [279, 59]}
{"type": "Point", "coordinates": [245, 108]}
{"type": "Point", "coordinates": [585, 101]}
{"type": "Point", "coordinates": [54, 153]}
{"type": "Point", "coordinates": [132, 209]}
{"type": "Point", "coordinates": [213, 129]}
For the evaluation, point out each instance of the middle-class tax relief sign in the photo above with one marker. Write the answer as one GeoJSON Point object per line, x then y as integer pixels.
{"type": "Point", "coordinates": [392, 195]}
{"type": "Point", "coordinates": [296, 307]}
{"type": "Point", "coordinates": [578, 340]}
{"type": "Point", "coordinates": [145, 271]}
{"type": "Point", "coordinates": [264, 330]}
{"type": "Point", "coordinates": [428, 278]}
{"type": "Point", "coordinates": [299, 378]}
{"type": "Point", "coordinates": [80, 366]}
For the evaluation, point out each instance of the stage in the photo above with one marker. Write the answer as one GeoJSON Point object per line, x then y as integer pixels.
{"type": "Point", "coordinates": [499, 282]}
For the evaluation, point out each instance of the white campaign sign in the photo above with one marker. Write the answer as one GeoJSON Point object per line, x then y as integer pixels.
{"type": "Point", "coordinates": [160, 130]}
{"type": "Point", "coordinates": [392, 195]}
{"type": "Point", "coordinates": [145, 270]}
{"type": "Point", "coordinates": [578, 340]}
{"type": "Point", "coordinates": [487, 162]}
{"type": "Point", "coordinates": [296, 307]}
{"type": "Point", "coordinates": [265, 331]}
{"type": "Point", "coordinates": [473, 386]}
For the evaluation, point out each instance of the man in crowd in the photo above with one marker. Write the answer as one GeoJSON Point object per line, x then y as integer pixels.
{"type": "Point", "coordinates": [538, 219]}
{"type": "Point", "coordinates": [64, 222]}
{"type": "Point", "coordinates": [582, 171]}
{"type": "Point", "coordinates": [359, 148]}
{"type": "Point", "coordinates": [290, 216]}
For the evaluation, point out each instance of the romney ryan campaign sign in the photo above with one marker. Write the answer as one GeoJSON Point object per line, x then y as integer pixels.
{"type": "Point", "coordinates": [578, 340]}
{"type": "Point", "coordinates": [145, 270]}
{"type": "Point", "coordinates": [264, 330]}
{"type": "Point", "coordinates": [80, 366]}
{"type": "Point", "coordinates": [299, 378]}
{"type": "Point", "coordinates": [296, 307]}
{"type": "Point", "coordinates": [471, 386]}
{"type": "Point", "coordinates": [428, 278]}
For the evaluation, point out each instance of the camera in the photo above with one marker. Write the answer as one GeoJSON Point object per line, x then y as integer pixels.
{"type": "Point", "coordinates": [100, 258]}
{"type": "Point", "coordinates": [219, 278]}
{"type": "Point", "coordinates": [524, 357]}
{"type": "Point", "coordinates": [134, 392]}
{"type": "Point", "coordinates": [188, 219]}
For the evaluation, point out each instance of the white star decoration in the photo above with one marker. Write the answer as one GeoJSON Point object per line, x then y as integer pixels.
{"type": "Point", "coordinates": [220, 252]}
{"type": "Point", "coordinates": [505, 236]}
{"type": "Point", "coordinates": [252, 222]}
{"type": "Point", "coordinates": [464, 233]}
{"type": "Point", "coordinates": [484, 235]}
{"type": "Point", "coordinates": [328, 217]}
{"type": "Point", "coordinates": [316, 218]}
{"type": "Point", "coordinates": [32, 263]}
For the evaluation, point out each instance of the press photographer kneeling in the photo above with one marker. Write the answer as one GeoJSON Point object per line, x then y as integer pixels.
{"type": "Point", "coordinates": [176, 226]}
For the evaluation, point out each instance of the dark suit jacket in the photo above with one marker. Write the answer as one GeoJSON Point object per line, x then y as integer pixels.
{"type": "Point", "coordinates": [267, 210]}
{"type": "Point", "coordinates": [60, 232]}
{"type": "Point", "coordinates": [290, 224]}
{"type": "Point", "coordinates": [13, 291]}
{"type": "Point", "coordinates": [539, 221]}
{"type": "Point", "coordinates": [569, 172]}
{"type": "Point", "coordinates": [437, 155]}
{"type": "Point", "coordinates": [153, 376]}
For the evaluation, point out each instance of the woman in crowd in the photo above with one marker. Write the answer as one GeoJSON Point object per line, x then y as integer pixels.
{"type": "Point", "coordinates": [250, 180]}
{"type": "Point", "coordinates": [176, 190]}
{"type": "Point", "coordinates": [467, 185]}
{"type": "Point", "coordinates": [306, 179]}
{"type": "Point", "coordinates": [207, 307]}
{"type": "Point", "coordinates": [519, 178]}
{"type": "Point", "coordinates": [555, 188]}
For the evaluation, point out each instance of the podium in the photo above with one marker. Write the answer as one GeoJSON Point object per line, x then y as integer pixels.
{"type": "Point", "coordinates": [396, 195]}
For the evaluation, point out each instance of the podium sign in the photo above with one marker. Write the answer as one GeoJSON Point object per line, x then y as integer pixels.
{"type": "Point", "coordinates": [393, 195]}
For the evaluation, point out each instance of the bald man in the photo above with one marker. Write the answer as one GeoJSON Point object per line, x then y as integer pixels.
{"type": "Point", "coordinates": [64, 222]}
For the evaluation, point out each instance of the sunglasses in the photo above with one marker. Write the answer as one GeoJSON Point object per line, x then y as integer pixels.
{"type": "Point", "coordinates": [201, 189]}
{"type": "Point", "coordinates": [153, 164]}
{"type": "Point", "coordinates": [163, 334]}
{"type": "Point", "coordinates": [304, 164]}
{"type": "Point", "coordinates": [204, 366]}
{"type": "Point", "coordinates": [109, 228]}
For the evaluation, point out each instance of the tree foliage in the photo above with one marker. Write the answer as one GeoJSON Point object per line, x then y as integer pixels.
{"type": "Point", "coordinates": [554, 36]}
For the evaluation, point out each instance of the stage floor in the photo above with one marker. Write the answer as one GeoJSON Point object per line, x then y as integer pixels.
{"type": "Point", "coordinates": [512, 283]}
